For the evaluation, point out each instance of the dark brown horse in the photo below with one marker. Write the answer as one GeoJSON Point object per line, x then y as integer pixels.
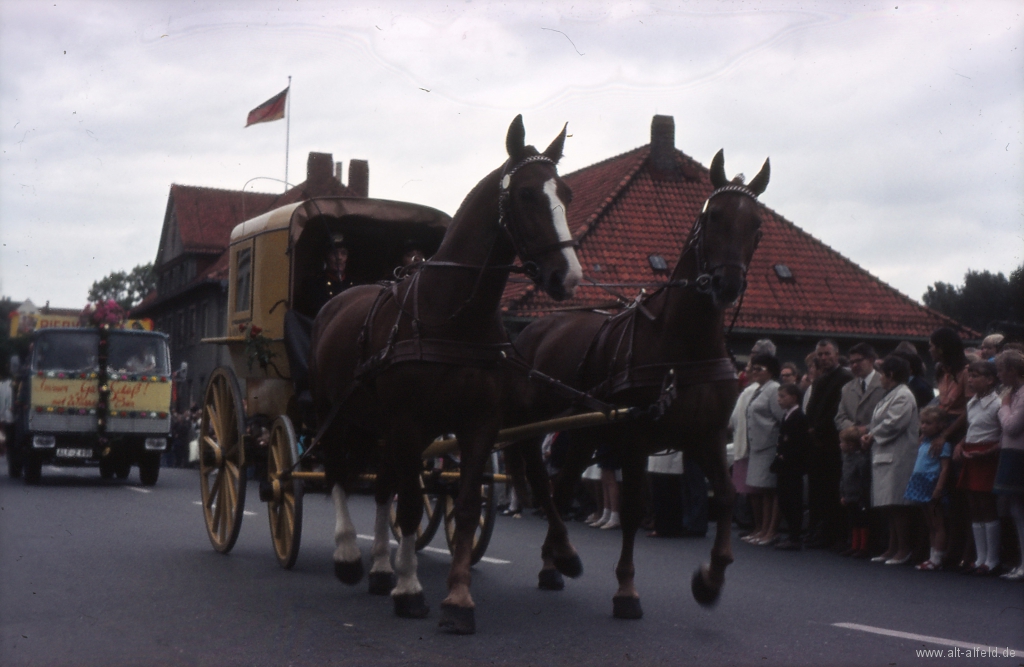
{"type": "Point", "coordinates": [672, 338]}
{"type": "Point", "coordinates": [423, 357]}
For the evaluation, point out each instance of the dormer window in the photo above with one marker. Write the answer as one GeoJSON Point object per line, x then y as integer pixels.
{"type": "Point", "coordinates": [784, 273]}
{"type": "Point", "coordinates": [658, 263]}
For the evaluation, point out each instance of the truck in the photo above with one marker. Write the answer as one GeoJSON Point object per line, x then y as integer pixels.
{"type": "Point", "coordinates": [92, 396]}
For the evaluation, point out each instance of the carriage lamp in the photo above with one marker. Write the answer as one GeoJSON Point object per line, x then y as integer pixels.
{"type": "Point", "coordinates": [44, 442]}
{"type": "Point", "coordinates": [156, 444]}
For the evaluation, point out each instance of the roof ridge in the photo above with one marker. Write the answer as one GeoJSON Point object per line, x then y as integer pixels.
{"type": "Point", "coordinates": [225, 190]}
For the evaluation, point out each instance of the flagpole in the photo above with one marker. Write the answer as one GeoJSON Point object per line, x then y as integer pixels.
{"type": "Point", "coordinates": [287, 132]}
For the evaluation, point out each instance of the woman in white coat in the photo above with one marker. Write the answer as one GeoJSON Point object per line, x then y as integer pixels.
{"type": "Point", "coordinates": [764, 415]}
{"type": "Point", "coordinates": [893, 438]}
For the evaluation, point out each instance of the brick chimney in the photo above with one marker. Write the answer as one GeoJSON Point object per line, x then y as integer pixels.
{"type": "Point", "coordinates": [337, 173]}
{"type": "Point", "coordinates": [359, 177]}
{"type": "Point", "coordinates": [663, 162]}
{"type": "Point", "coordinates": [319, 168]}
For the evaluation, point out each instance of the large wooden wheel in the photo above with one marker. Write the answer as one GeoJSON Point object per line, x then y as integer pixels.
{"type": "Point", "coordinates": [285, 504]}
{"type": "Point", "coordinates": [432, 514]}
{"type": "Point", "coordinates": [488, 509]}
{"type": "Point", "coordinates": [222, 459]}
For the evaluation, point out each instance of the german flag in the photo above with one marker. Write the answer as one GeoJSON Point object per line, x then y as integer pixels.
{"type": "Point", "coordinates": [272, 109]}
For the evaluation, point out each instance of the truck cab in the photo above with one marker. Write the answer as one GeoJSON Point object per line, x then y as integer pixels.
{"type": "Point", "coordinates": [93, 397]}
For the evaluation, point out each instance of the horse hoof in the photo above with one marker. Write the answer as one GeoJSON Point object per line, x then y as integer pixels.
{"type": "Point", "coordinates": [348, 573]}
{"type": "Point", "coordinates": [381, 583]}
{"type": "Point", "coordinates": [457, 620]}
{"type": "Point", "coordinates": [411, 605]}
{"type": "Point", "coordinates": [571, 567]}
{"type": "Point", "coordinates": [703, 592]}
{"type": "Point", "coordinates": [550, 580]}
{"type": "Point", "coordinates": [627, 607]}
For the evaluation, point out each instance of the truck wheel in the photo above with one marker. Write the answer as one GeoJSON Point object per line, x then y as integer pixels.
{"type": "Point", "coordinates": [149, 469]}
{"type": "Point", "coordinates": [33, 468]}
{"type": "Point", "coordinates": [122, 468]}
{"type": "Point", "coordinates": [106, 468]}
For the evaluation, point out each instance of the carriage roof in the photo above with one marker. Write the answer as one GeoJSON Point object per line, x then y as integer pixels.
{"type": "Point", "coordinates": [294, 217]}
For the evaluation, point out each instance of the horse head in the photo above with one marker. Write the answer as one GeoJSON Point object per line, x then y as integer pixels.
{"type": "Point", "coordinates": [532, 210]}
{"type": "Point", "coordinates": [727, 233]}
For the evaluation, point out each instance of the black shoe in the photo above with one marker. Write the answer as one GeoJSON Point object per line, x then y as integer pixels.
{"type": "Point", "coordinates": [788, 545]}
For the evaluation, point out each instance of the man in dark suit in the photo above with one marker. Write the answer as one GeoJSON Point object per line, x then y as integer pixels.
{"type": "Point", "coordinates": [825, 463]}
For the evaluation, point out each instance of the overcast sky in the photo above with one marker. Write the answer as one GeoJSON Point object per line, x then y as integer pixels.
{"type": "Point", "coordinates": [894, 129]}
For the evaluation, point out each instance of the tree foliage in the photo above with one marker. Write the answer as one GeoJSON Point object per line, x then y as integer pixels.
{"type": "Point", "coordinates": [983, 301]}
{"type": "Point", "coordinates": [128, 289]}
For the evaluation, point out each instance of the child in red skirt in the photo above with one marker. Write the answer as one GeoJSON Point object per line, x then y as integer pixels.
{"type": "Point", "coordinates": [979, 453]}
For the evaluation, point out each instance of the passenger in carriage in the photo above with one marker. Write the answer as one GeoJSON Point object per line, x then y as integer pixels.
{"type": "Point", "coordinates": [412, 256]}
{"type": "Point", "coordinates": [318, 288]}
{"type": "Point", "coordinates": [314, 291]}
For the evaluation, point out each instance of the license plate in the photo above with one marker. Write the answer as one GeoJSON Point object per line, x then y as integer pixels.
{"type": "Point", "coordinates": [73, 453]}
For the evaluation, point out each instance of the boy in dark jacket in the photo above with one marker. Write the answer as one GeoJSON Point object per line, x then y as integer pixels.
{"type": "Point", "coordinates": [791, 463]}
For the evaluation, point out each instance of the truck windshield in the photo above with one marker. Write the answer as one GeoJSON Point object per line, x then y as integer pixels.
{"type": "Point", "coordinates": [75, 351]}
{"type": "Point", "coordinates": [137, 353]}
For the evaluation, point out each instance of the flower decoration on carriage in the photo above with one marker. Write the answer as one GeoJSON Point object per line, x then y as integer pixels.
{"type": "Point", "coordinates": [103, 314]}
{"type": "Point", "coordinates": [257, 347]}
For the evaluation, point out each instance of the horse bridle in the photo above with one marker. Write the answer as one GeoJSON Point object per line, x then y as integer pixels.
{"type": "Point", "coordinates": [529, 255]}
{"type": "Point", "coordinates": [705, 273]}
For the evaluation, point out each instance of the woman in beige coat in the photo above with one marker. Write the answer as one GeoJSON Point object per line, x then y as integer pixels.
{"type": "Point", "coordinates": [893, 438]}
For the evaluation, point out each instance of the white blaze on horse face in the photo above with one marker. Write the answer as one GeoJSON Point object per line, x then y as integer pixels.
{"type": "Point", "coordinates": [574, 273]}
{"type": "Point", "coordinates": [344, 530]}
{"type": "Point", "coordinates": [405, 567]}
{"type": "Point", "coordinates": [381, 552]}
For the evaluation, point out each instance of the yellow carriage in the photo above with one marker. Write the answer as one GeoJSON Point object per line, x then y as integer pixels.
{"type": "Point", "coordinates": [252, 415]}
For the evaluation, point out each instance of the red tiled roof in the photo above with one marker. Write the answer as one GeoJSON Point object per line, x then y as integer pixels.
{"type": "Point", "coordinates": [206, 216]}
{"type": "Point", "coordinates": [622, 214]}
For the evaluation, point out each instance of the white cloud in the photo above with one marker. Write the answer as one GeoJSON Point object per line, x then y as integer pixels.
{"type": "Point", "coordinates": [895, 135]}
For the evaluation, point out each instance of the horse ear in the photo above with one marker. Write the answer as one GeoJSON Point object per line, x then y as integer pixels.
{"type": "Point", "coordinates": [760, 182]}
{"type": "Point", "coordinates": [718, 178]}
{"type": "Point", "coordinates": [554, 151]}
{"type": "Point", "coordinates": [515, 141]}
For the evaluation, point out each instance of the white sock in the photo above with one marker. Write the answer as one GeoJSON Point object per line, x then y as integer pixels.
{"type": "Point", "coordinates": [937, 556]}
{"type": "Point", "coordinates": [992, 537]}
{"type": "Point", "coordinates": [605, 516]}
{"type": "Point", "coordinates": [980, 544]}
{"type": "Point", "coordinates": [613, 517]}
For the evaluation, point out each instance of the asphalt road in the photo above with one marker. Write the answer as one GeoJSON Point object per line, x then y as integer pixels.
{"type": "Point", "coordinates": [110, 573]}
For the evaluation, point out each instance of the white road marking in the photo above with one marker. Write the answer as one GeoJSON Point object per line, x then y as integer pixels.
{"type": "Point", "coordinates": [244, 512]}
{"type": "Point", "coordinates": [136, 488]}
{"type": "Point", "coordinates": [920, 638]}
{"type": "Point", "coordinates": [436, 550]}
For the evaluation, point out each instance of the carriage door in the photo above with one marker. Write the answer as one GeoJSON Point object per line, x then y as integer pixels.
{"type": "Point", "coordinates": [240, 285]}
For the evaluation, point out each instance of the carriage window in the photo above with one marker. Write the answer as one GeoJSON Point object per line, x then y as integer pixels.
{"type": "Point", "coordinates": [243, 279]}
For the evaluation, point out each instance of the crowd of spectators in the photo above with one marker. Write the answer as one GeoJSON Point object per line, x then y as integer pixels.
{"type": "Point", "coordinates": [864, 456]}
{"type": "Point", "coordinates": [895, 466]}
